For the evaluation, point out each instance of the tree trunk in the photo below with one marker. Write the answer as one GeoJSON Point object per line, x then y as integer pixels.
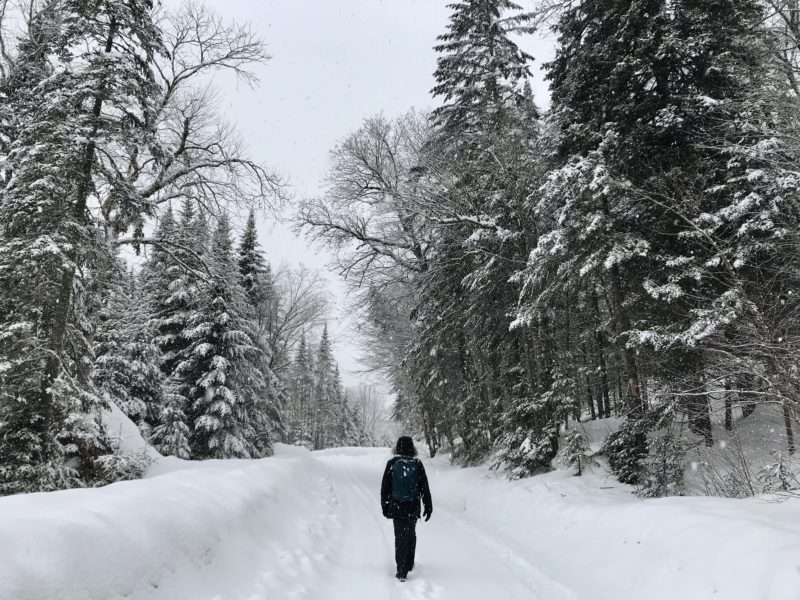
{"type": "Point", "coordinates": [787, 390]}
{"type": "Point", "coordinates": [603, 401]}
{"type": "Point", "coordinates": [588, 382]}
{"type": "Point", "coordinates": [604, 390]}
{"type": "Point", "coordinates": [787, 423]}
{"type": "Point", "coordinates": [430, 435]}
{"type": "Point", "coordinates": [697, 403]}
{"type": "Point", "coordinates": [745, 383]}
{"type": "Point", "coordinates": [700, 417]}
{"type": "Point", "coordinates": [530, 360]}
{"type": "Point", "coordinates": [633, 399]}
{"type": "Point", "coordinates": [63, 306]}
{"type": "Point", "coordinates": [728, 407]}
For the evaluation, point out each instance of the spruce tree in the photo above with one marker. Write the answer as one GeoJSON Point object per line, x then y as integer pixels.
{"type": "Point", "coordinates": [484, 138]}
{"type": "Point", "coordinates": [301, 397]}
{"type": "Point", "coordinates": [173, 290]}
{"type": "Point", "coordinates": [177, 280]}
{"type": "Point", "coordinates": [29, 67]}
{"type": "Point", "coordinates": [480, 69]}
{"type": "Point", "coordinates": [324, 395]}
{"type": "Point", "coordinates": [253, 267]}
{"type": "Point", "coordinates": [218, 358]}
{"type": "Point", "coordinates": [126, 365]}
{"type": "Point", "coordinates": [100, 94]}
{"type": "Point", "coordinates": [262, 389]}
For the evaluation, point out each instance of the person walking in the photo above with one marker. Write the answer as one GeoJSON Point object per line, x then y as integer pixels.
{"type": "Point", "coordinates": [404, 484]}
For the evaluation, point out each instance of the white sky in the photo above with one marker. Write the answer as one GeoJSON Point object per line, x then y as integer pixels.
{"type": "Point", "coordinates": [334, 63]}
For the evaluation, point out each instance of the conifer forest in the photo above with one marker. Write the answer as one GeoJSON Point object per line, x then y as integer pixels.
{"type": "Point", "coordinates": [626, 250]}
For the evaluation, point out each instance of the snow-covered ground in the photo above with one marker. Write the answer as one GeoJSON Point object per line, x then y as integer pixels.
{"type": "Point", "coordinates": [308, 526]}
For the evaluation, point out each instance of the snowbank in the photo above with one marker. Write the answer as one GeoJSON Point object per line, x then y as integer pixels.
{"type": "Point", "coordinates": [203, 531]}
{"type": "Point", "coordinates": [592, 533]}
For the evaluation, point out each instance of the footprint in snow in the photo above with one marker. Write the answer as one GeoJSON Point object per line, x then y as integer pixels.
{"type": "Point", "coordinates": [420, 589]}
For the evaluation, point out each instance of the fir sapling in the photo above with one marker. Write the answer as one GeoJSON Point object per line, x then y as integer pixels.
{"type": "Point", "coordinates": [663, 469]}
{"type": "Point", "coordinates": [577, 452]}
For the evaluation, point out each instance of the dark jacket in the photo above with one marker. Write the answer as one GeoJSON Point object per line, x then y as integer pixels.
{"type": "Point", "coordinates": [392, 509]}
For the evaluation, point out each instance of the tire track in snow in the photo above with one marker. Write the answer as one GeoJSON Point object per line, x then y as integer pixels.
{"type": "Point", "coordinates": [454, 558]}
{"type": "Point", "coordinates": [359, 568]}
{"type": "Point", "coordinates": [299, 559]}
{"type": "Point", "coordinates": [545, 587]}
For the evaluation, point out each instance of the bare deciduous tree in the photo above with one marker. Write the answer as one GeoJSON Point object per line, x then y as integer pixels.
{"type": "Point", "coordinates": [196, 153]}
{"type": "Point", "coordinates": [299, 304]}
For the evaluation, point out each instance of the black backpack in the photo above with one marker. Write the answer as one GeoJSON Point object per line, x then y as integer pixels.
{"type": "Point", "coordinates": [405, 480]}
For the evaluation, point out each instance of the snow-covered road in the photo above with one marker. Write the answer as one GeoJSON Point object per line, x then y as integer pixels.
{"type": "Point", "coordinates": [307, 526]}
{"type": "Point", "coordinates": [455, 560]}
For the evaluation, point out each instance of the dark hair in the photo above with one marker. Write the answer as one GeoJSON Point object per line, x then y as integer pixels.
{"type": "Point", "coordinates": [405, 446]}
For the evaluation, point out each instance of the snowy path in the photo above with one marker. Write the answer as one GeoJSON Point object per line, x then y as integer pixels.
{"type": "Point", "coordinates": [307, 526]}
{"type": "Point", "coordinates": [454, 559]}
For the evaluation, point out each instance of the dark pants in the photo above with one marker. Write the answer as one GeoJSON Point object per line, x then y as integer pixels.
{"type": "Point", "coordinates": [405, 544]}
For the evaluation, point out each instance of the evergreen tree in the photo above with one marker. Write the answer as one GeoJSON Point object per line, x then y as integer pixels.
{"type": "Point", "coordinates": [172, 277]}
{"type": "Point", "coordinates": [301, 397]}
{"type": "Point", "coordinates": [484, 137]}
{"type": "Point", "coordinates": [325, 400]}
{"type": "Point", "coordinates": [253, 267]}
{"type": "Point", "coordinates": [480, 69]}
{"type": "Point", "coordinates": [217, 358]}
{"type": "Point", "coordinates": [27, 70]}
{"type": "Point", "coordinates": [638, 92]}
{"type": "Point", "coordinates": [263, 393]}
{"type": "Point", "coordinates": [126, 366]}
{"type": "Point", "coordinates": [577, 452]}
{"type": "Point", "coordinates": [100, 94]}
{"type": "Point", "coordinates": [171, 434]}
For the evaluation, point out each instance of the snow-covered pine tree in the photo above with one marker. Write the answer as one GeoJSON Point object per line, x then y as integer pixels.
{"type": "Point", "coordinates": [28, 428]}
{"type": "Point", "coordinates": [29, 66]}
{"type": "Point", "coordinates": [664, 467]}
{"type": "Point", "coordinates": [348, 431]}
{"type": "Point", "coordinates": [480, 69]}
{"type": "Point", "coordinates": [484, 139]}
{"type": "Point", "coordinates": [263, 392]}
{"type": "Point", "coordinates": [639, 92]}
{"type": "Point", "coordinates": [99, 94]}
{"type": "Point", "coordinates": [253, 267]}
{"type": "Point", "coordinates": [171, 433]}
{"type": "Point", "coordinates": [300, 409]}
{"type": "Point", "coordinates": [357, 432]}
{"type": "Point", "coordinates": [126, 366]}
{"type": "Point", "coordinates": [219, 358]}
{"type": "Point", "coordinates": [736, 255]}
{"type": "Point", "coordinates": [592, 232]}
{"type": "Point", "coordinates": [577, 452]}
{"type": "Point", "coordinates": [172, 279]}
{"type": "Point", "coordinates": [328, 414]}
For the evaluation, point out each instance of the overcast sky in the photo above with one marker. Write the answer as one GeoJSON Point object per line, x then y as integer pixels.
{"type": "Point", "coordinates": [334, 63]}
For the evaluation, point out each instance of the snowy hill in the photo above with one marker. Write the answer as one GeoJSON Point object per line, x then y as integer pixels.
{"type": "Point", "coordinates": [308, 525]}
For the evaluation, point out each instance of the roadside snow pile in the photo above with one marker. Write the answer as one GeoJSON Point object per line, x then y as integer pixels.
{"type": "Point", "coordinates": [594, 535]}
{"type": "Point", "coordinates": [205, 530]}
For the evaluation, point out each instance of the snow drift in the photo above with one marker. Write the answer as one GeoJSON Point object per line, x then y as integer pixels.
{"type": "Point", "coordinates": [199, 530]}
